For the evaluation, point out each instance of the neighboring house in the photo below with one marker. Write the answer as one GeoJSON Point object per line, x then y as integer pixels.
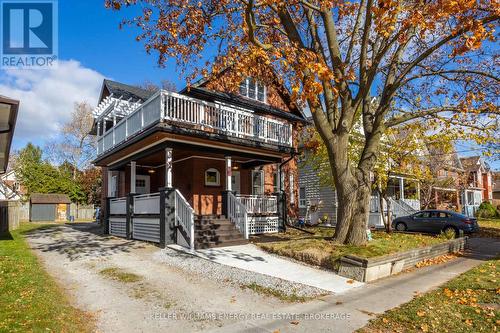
{"type": "Point", "coordinates": [10, 188]}
{"type": "Point", "coordinates": [49, 207]}
{"type": "Point", "coordinates": [478, 176]}
{"type": "Point", "coordinates": [9, 216]}
{"type": "Point", "coordinates": [448, 171]}
{"type": "Point", "coordinates": [496, 188]}
{"type": "Point", "coordinates": [209, 158]}
{"type": "Point", "coordinates": [403, 191]}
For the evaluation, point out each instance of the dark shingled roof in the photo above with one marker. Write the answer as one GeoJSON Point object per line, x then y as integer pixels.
{"type": "Point", "coordinates": [474, 163]}
{"type": "Point", "coordinates": [126, 91]}
{"type": "Point", "coordinates": [212, 95]}
{"type": "Point", "coordinates": [49, 198]}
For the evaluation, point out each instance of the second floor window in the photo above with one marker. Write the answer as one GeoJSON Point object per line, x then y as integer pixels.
{"type": "Point", "coordinates": [253, 89]}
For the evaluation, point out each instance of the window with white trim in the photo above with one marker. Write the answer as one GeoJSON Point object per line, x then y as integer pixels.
{"type": "Point", "coordinates": [253, 89]}
{"type": "Point", "coordinates": [302, 197]}
{"type": "Point", "coordinates": [291, 186]}
{"type": "Point", "coordinates": [212, 177]}
{"type": "Point", "coordinates": [257, 182]}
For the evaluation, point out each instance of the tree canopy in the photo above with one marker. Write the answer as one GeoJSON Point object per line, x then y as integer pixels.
{"type": "Point", "coordinates": [434, 61]}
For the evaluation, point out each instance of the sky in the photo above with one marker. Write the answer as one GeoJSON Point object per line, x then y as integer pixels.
{"type": "Point", "coordinates": [91, 48]}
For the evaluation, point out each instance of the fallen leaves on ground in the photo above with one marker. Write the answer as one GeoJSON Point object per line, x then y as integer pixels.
{"type": "Point", "coordinates": [437, 260]}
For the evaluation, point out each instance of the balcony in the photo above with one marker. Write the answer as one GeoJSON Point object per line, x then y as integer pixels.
{"type": "Point", "coordinates": [115, 125]}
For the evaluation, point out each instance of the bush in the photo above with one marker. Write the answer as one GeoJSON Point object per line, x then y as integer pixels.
{"type": "Point", "coordinates": [486, 210]}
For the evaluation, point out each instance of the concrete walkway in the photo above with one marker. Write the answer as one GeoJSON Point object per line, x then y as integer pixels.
{"type": "Point", "coordinates": [249, 257]}
{"type": "Point", "coordinates": [351, 311]}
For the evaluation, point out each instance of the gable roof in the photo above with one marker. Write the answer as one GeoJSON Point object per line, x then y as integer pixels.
{"type": "Point", "coordinates": [124, 91]}
{"type": "Point", "coordinates": [49, 198]}
{"type": "Point", "coordinates": [199, 89]}
{"type": "Point", "coordinates": [474, 163]}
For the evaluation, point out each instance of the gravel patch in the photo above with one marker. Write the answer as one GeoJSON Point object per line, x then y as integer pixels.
{"type": "Point", "coordinates": [232, 275]}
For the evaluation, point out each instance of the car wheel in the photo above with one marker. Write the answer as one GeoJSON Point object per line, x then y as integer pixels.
{"type": "Point", "coordinates": [400, 226]}
{"type": "Point", "coordinates": [450, 232]}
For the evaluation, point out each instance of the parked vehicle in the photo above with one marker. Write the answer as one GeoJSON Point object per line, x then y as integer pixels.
{"type": "Point", "coordinates": [435, 222]}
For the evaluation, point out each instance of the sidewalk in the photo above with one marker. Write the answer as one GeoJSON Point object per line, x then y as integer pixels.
{"type": "Point", "coordinates": [355, 308]}
{"type": "Point", "coordinates": [249, 257]}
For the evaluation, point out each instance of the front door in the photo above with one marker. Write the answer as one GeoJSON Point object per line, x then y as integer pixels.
{"type": "Point", "coordinates": [235, 182]}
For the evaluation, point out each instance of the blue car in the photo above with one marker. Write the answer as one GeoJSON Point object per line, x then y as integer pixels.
{"type": "Point", "coordinates": [435, 222]}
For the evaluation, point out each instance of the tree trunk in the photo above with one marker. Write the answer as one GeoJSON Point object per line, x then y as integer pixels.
{"type": "Point", "coordinates": [389, 215]}
{"type": "Point", "coordinates": [359, 221]}
{"type": "Point", "coordinates": [353, 188]}
{"type": "Point", "coordinates": [385, 219]}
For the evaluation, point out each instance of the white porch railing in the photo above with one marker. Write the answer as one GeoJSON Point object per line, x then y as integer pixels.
{"type": "Point", "coordinates": [399, 208]}
{"type": "Point", "coordinates": [118, 206]}
{"type": "Point", "coordinates": [257, 204]}
{"type": "Point", "coordinates": [210, 117]}
{"type": "Point", "coordinates": [184, 216]}
{"type": "Point", "coordinates": [413, 203]}
{"type": "Point", "coordinates": [147, 204]}
{"type": "Point", "coordinates": [237, 213]}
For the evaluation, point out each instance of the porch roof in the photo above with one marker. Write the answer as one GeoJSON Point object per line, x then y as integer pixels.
{"type": "Point", "coordinates": [164, 135]}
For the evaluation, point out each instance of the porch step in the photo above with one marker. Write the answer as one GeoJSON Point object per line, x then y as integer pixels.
{"type": "Point", "coordinates": [211, 244]}
{"type": "Point", "coordinates": [216, 231]}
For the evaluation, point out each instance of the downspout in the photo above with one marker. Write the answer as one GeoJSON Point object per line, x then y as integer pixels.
{"type": "Point", "coordinates": [282, 190]}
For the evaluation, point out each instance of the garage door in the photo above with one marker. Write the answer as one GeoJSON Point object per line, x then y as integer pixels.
{"type": "Point", "coordinates": [43, 212]}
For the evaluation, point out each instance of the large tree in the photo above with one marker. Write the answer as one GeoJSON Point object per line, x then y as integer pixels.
{"type": "Point", "coordinates": [75, 144]}
{"type": "Point", "coordinates": [425, 60]}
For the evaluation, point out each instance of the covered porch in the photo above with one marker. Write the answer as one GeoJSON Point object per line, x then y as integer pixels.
{"type": "Point", "coordinates": [181, 193]}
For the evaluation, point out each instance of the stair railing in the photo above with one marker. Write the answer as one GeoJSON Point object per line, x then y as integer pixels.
{"type": "Point", "coordinates": [237, 213]}
{"type": "Point", "coordinates": [184, 216]}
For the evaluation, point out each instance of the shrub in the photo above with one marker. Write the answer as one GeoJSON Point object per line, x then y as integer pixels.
{"type": "Point", "coordinates": [486, 210]}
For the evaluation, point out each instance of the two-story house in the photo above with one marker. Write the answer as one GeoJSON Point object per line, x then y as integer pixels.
{"type": "Point", "coordinates": [203, 167]}
{"type": "Point", "coordinates": [478, 183]}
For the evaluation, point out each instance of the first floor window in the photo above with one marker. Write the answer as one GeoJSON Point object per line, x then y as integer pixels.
{"type": "Point", "coordinates": [257, 182]}
{"type": "Point", "coordinates": [302, 197]}
{"type": "Point", "coordinates": [212, 177]}
{"type": "Point", "coordinates": [275, 181]}
{"type": "Point", "coordinates": [292, 196]}
{"type": "Point", "coordinates": [113, 186]}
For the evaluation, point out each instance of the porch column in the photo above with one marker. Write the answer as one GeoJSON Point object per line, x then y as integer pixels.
{"type": "Point", "coordinates": [402, 188]}
{"type": "Point", "coordinates": [132, 176]}
{"type": "Point", "coordinates": [229, 172]}
{"type": "Point", "coordinates": [168, 168]}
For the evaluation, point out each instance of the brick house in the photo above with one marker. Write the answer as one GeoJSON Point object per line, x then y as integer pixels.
{"type": "Point", "coordinates": [478, 185]}
{"type": "Point", "coordinates": [203, 167]}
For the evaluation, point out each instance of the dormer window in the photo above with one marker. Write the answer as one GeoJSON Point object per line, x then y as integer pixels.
{"type": "Point", "coordinates": [253, 89]}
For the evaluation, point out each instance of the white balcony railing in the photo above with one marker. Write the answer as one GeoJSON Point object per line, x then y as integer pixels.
{"type": "Point", "coordinates": [206, 116]}
{"type": "Point", "coordinates": [257, 204]}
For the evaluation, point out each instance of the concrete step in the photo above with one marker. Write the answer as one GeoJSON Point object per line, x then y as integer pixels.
{"type": "Point", "coordinates": [212, 244]}
{"type": "Point", "coordinates": [214, 232]}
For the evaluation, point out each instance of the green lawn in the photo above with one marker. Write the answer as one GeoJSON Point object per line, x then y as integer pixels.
{"type": "Point", "coordinates": [489, 227]}
{"type": "Point", "coordinates": [468, 303]}
{"type": "Point", "coordinates": [318, 249]}
{"type": "Point", "coordinates": [30, 300]}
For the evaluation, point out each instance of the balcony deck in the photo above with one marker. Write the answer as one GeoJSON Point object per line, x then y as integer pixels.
{"type": "Point", "coordinates": [185, 112]}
